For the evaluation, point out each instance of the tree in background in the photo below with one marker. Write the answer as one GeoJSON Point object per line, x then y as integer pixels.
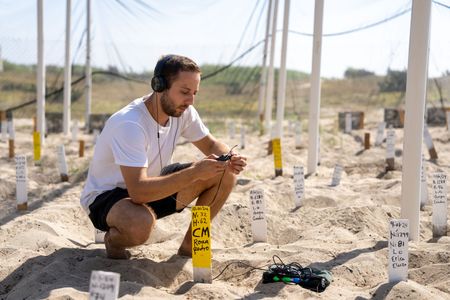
{"type": "Point", "coordinates": [394, 81]}
{"type": "Point", "coordinates": [352, 73]}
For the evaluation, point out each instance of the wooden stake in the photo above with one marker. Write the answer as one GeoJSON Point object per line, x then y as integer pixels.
{"type": "Point", "coordinates": [81, 149]}
{"type": "Point", "coordinates": [11, 148]}
{"type": "Point", "coordinates": [34, 124]}
{"type": "Point", "coordinates": [367, 140]}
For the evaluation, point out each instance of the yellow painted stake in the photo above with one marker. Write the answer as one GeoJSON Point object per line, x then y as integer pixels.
{"type": "Point", "coordinates": [276, 146]}
{"type": "Point", "coordinates": [37, 147]}
{"type": "Point", "coordinates": [201, 244]}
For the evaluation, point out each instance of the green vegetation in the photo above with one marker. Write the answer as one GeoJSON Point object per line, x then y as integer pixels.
{"type": "Point", "coordinates": [232, 93]}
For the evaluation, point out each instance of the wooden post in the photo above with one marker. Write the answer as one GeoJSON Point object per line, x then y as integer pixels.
{"type": "Point", "coordinates": [11, 148]}
{"type": "Point", "coordinates": [81, 149]}
{"type": "Point", "coordinates": [367, 140]}
{"type": "Point", "coordinates": [34, 124]}
{"type": "Point", "coordinates": [361, 120]}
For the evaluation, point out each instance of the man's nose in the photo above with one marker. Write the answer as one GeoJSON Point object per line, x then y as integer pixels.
{"type": "Point", "coordinates": [190, 100]}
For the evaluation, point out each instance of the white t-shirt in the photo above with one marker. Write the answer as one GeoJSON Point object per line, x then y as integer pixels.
{"type": "Point", "coordinates": [129, 139]}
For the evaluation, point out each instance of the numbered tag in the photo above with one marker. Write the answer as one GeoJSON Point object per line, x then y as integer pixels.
{"type": "Point", "coordinates": [258, 215]}
{"type": "Point", "coordinates": [398, 250]}
{"type": "Point", "coordinates": [440, 209]}
{"type": "Point", "coordinates": [104, 285]}
{"type": "Point", "coordinates": [21, 182]}
{"type": "Point", "coordinates": [201, 244]}
{"type": "Point", "coordinates": [299, 185]}
{"type": "Point", "coordinates": [337, 174]}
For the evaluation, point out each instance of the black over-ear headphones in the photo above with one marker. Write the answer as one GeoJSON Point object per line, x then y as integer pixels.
{"type": "Point", "coordinates": [159, 83]}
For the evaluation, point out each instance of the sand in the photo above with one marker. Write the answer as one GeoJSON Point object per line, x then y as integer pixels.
{"type": "Point", "coordinates": [48, 252]}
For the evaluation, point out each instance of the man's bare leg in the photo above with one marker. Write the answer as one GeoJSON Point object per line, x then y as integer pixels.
{"type": "Point", "coordinates": [130, 225]}
{"type": "Point", "coordinates": [206, 197]}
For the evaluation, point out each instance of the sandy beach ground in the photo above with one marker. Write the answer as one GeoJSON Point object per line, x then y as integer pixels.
{"type": "Point", "coordinates": [48, 252]}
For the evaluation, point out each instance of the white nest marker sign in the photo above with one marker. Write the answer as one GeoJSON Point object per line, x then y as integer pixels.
{"type": "Point", "coordinates": [258, 214]}
{"type": "Point", "coordinates": [299, 185]}
{"type": "Point", "coordinates": [440, 208]}
{"type": "Point", "coordinates": [104, 285]}
{"type": "Point", "coordinates": [398, 250]}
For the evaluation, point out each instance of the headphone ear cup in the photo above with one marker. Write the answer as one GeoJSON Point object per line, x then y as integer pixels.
{"type": "Point", "coordinates": [158, 84]}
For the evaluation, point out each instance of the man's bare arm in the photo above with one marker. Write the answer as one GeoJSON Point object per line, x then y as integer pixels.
{"type": "Point", "coordinates": [143, 188]}
{"type": "Point", "coordinates": [210, 145]}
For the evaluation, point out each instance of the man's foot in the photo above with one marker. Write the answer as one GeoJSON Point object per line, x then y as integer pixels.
{"type": "Point", "coordinates": [114, 252]}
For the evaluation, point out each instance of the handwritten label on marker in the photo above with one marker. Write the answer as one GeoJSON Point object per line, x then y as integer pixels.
{"type": "Point", "coordinates": [276, 146]}
{"type": "Point", "coordinates": [258, 214]}
{"type": "Point", "coordinates": [337, 174]}
{"type": "Point", "coordinates": [104, 285]}
{"type": "Point", "coordinates": [201, 244]}
{"type": "Point", "coordinates": [201, 239]}
{"type": "Point", "coordinates": [21, 179]}
{"type": "Point", "coordinates": [299, 185]}
{"type": "Point", "coordinates": [398, 250]}
{"type": "Point", "coordinates": [424, 186]}
{"type": "Point", "coordinates": [37, 146]}
{"type": "Point", "coordinates": [348, 122]}
{"type": "Point", "coordinates": [439, 218]}
{"type": "Point", "coordinates": [390, 144]}
{"type": "Point", "coordinates": [62, 164]}
{"type": "Point", "coordinates": [380, 133]}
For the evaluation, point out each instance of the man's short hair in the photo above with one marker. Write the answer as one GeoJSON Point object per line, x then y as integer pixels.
{"type": "Point", "coordinates": [169, 66]}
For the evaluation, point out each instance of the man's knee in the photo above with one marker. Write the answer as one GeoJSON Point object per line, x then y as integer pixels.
{"type": "Point", "coordinates": [229, 179]}
{"type": "Point", "coordinates": [140, 228]}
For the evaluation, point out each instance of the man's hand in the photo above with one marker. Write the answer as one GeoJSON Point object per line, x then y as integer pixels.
{"type": "Point", "coordinates": [209, 167]}
{"type": "Point", "coordinates": [237, 163]}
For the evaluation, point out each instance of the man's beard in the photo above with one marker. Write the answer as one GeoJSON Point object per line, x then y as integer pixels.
{"type": "Point", "coordinates": [168, 107]}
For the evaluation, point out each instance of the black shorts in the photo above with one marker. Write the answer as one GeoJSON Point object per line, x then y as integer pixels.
{"type": "Point", "coordinates": [99, 209]}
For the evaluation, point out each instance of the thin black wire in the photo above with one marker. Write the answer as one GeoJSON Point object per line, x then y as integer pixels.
{"type": "Point", "coordinates": [240, 263]}
{"type": "Point", "coordinates": [441, 4]}
{"type": "Point", "coordinates": [214, 73]}
{"type": "Point", "coordinates": [356, 29]}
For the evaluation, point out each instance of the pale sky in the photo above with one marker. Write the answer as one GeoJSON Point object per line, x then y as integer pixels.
{"type": "Point", "coordinates": [209, 31]}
